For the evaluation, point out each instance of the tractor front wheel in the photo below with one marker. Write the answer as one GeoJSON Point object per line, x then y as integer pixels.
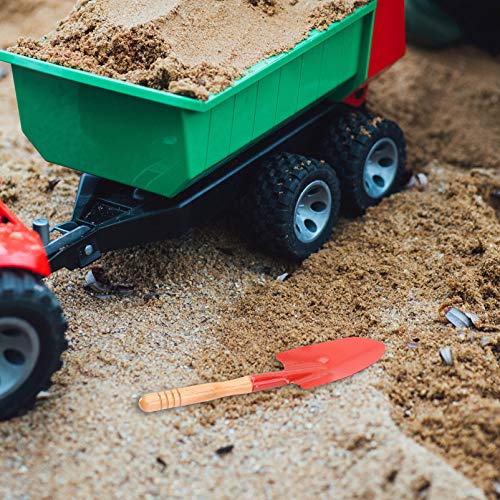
{"type": "Point", "coordinates": [32, 328]}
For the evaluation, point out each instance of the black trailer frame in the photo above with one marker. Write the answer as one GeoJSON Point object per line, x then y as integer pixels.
{"type": "Point", "coordinates": [111, 216]}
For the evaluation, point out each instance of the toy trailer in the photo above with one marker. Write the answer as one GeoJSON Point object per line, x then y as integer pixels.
{"type": "Point", "coordinates": [288, 145]}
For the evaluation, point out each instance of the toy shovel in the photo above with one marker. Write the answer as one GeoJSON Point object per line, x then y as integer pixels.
{"type": "Point", "coordinates": [307, 367]}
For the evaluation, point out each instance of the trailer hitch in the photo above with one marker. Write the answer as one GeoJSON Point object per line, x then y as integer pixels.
{"type": "Point", "coordinates": [71, 234]}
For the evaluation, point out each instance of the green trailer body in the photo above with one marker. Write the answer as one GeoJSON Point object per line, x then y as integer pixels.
{"type": "Point", "coordinates": [163, 143]}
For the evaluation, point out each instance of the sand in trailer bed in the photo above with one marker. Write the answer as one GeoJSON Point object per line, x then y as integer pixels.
{"type": "Point", "coordinates": [189, 47]}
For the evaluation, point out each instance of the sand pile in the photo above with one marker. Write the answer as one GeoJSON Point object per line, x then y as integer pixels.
{"type": "Point", "coordinates": [189, 47]}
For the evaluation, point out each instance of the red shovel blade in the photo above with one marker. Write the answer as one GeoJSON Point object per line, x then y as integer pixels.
{"type": "Point", "coordinates": [330, 361]}
{"type": "Point", "coordinates": [323, 363]}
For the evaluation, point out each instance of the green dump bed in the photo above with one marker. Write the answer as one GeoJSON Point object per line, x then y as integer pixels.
{"type": "Point", "coordinates": [161, 142]}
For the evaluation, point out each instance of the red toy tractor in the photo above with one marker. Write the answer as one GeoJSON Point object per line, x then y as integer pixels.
{"type": "Point", "coordinates": [32, 324]}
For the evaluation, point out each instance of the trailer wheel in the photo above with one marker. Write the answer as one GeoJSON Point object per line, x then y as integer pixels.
{"type": "Point", "coordinates": [369, 155]}
{"type": "Point", "coordinates": [32, 328]}
{"type": "Point", "coordinates": [293, 205]}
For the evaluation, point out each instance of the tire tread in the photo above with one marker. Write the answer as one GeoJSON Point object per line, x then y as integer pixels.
{"type": "Point", "coordinates": [268, 203]}
{"type": "Point", "coordinates": [345, 148]}
{"type": "Point", "coordinates": [20, 287]}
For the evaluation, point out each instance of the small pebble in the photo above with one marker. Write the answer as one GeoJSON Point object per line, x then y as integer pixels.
{"type": "Point", "coordinates": [461, 319]}
{"type": "Point", "coordinates": [446, 355]}
{"type": "Point", "coordinates": [225, 450]}
{"type": "Point", "coordinates": [419, 180]}
{"type": "Point", "coordinates": [496, 486]}
{"type": "Point", "coordinates": [485, 341]}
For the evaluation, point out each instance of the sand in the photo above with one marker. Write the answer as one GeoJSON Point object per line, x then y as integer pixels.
{"type": "Point", "coordinates": [188, 47]}
{"type": "Point", "coordinates": [208, 307]}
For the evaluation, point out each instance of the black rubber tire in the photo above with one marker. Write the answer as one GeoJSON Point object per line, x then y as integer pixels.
{"type": "Point", "coordinates": [24, 297]}
{"type": "Point", "coordinates": [271, 200]}
{"type": "Point", "coordinates": [346, 147]}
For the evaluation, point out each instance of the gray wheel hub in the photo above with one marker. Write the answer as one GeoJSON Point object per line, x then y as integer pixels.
{"type": "Point", "coordinates": [380, 169]}
{"type": "Point", "coordinates": [19, 352]}
{"type": "Point", "coordinates": [312, 211]}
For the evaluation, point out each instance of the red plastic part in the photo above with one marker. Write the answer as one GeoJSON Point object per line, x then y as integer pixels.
{"type": "Point", "coordinates": [389, 38]}
{"type": "Point", "coordinates": [323, 363]}
{"type": "Point", "coordinates": [20, 248]}
{"type": "Point", "coordinates": [388, 44]}
{"type": "Point", "coordinates": [358, 97]}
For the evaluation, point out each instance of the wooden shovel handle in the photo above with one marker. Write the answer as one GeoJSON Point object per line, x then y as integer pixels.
{"type": "Point", "coordinates": [195, 394]}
